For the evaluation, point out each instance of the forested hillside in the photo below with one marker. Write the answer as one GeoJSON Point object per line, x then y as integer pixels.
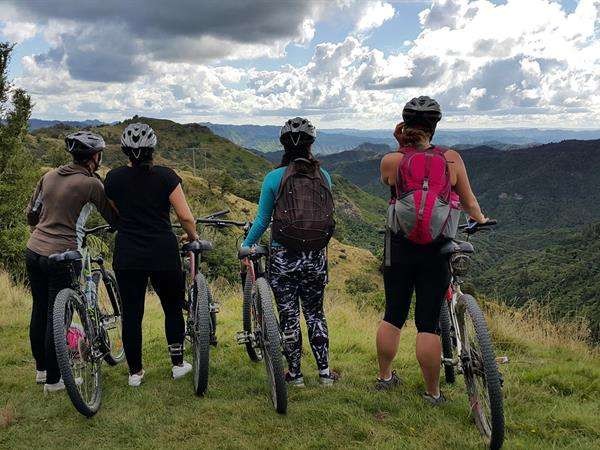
{"type": "Point", "coordinates": [545, 198]}
{"type": "Point", "coordinates": [222, 164]}
{"type": "Point", "coordinates": [533, 192]}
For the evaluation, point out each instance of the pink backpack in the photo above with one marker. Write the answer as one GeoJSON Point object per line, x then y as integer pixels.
{"type": "Point", "coordinates": [425, 208]}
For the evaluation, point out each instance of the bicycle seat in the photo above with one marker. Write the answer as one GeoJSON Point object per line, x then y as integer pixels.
{"type": "Point", "coordinates": [69, 255]}
{"type": "Point", "coordinates": [198, 246]}
{"type": "Point", "coordinates": [257, 251]}
{"type": "Point", "coordinates": [455, 246]}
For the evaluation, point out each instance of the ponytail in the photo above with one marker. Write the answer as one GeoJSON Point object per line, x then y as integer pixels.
{"type": "Point", "coordinates": [140, 157]}
{"type": "Point", "coordinates": [414, 137]}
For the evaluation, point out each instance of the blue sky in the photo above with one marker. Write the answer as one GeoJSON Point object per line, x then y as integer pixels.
{"type": "Point", "coordinates": [344, 63]}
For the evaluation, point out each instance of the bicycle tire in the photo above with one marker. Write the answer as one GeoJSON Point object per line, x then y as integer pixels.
{"type": "Point", "coordinates": [446, 339]}
{"type": "Point", "coordinates": [492, 429]}
{"type": "Point", "coordinates": [115, 302]}
{"type": "Point", "coordinates": [201, 335]}
{"type": "Point", "coordinates": [271, 346]}
{"type": "Point", "coordinates": [68, 300]}
{"type": "Point", "coordinates": [247, 318]}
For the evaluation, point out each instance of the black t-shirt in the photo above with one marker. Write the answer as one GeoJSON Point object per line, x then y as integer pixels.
{"type": "Point", "coordinates": [145, 239]}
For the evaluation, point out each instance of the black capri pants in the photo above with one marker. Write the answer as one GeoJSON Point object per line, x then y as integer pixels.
{"type": "Point", "coordinates": [420, 269]}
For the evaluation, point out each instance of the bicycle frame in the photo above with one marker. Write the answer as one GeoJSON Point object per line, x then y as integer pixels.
{"type": "Point", "coordinates": [86, 289]}
{"type": "Point", "coordinates": [454, 292]}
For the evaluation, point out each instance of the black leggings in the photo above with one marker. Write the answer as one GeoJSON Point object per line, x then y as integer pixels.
{"type": "Point", "coordinates": [418, 268]}
{"type": "Point", "coordinates": [170, 287]}
{"type": "Point", "coordinates": [46, 280]}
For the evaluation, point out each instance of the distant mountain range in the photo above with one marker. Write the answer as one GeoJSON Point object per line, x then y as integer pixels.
{"type": "Point", "coordinates": [266, 137]}
{"type": "Point", "coordinates": [36, 124]}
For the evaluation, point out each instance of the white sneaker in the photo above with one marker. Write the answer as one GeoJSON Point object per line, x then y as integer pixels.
{"type": "Point", "coordinates": [136, 379]}
{"type": "Point", "coordinates": [182, 370]}
{"type": "Point", "coordinates": [55, 387]}
{"type": "Point", "coordinates": [40, 376]}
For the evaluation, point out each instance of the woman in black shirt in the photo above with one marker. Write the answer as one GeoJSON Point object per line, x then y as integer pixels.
{"type": "Point", "coordinates": [146, 247]}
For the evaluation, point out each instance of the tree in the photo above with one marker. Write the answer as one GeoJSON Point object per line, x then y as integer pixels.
{"type": "Point", "coordinates": [17, 173]}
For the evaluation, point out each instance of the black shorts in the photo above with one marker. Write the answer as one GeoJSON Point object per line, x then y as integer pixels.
{"type": "Point", "coordinates": [415, 268]}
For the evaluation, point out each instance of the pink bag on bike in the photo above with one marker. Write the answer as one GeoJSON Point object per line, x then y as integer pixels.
{"type": "Point", "coordinates": [75, 334]}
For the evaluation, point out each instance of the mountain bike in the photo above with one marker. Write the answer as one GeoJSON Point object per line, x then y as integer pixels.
{"type": "Point", "coordinates": [87, 325]}
{"type": "Point", "coordinates": [466, 343]}
{"type": "Point", "coordinates": [261, 335]}
{"type": "Point", "coordinates": [201, 309]}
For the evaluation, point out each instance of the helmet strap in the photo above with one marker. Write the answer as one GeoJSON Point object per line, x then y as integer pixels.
{"type": "Point", "coordinates": [297, 140]}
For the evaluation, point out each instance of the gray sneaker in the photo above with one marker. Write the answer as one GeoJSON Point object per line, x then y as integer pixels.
{"type": "Point", "coordinates": [434, 401]}
{"type": "Point", "coordinates": [328, 380]}
{"type": "Point", "coordinates": [295, 381]}
{"type": "Point", "coordinates": [384, 385]}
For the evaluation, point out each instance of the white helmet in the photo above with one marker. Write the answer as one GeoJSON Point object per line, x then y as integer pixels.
{"type": "Point", "coordinates": [297, 132]}
{"type": "Point", "coordinates": [138, 135]}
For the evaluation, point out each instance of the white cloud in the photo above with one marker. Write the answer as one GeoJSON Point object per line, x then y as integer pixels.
{"type": "Point", "coordinates": [374, 14]}
{"type": "Point", "coordinates": [18, 31]}
{"type": "Point", "coordinates": [525, 62]}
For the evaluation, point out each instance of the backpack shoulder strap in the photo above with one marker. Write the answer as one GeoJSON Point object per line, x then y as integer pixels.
{"type": "Point", "coordinates": [288, 172]}
{"type": "Point", "coordinates": [407, 153]}
{"type": "Point", "coordinates": [442, 152]}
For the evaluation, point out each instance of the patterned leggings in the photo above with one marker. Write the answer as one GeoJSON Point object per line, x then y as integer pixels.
{"type": "Point", "coordinates": [300, 278]}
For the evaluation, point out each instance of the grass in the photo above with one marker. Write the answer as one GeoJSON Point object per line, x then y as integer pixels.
{"type": "Point", "coordinates": [551, 390]}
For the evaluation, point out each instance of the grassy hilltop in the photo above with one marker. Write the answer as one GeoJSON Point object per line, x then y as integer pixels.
{"type": "Point", "coordinates": [551, 389]}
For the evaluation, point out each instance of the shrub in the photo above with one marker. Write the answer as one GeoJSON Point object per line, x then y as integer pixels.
{"type": "Point", "coordinates": [17, 173]}
{"type": "Point", "coordinates": [360, 284]}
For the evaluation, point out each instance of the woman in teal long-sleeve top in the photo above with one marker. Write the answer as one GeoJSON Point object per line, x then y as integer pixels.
{"type": "Point", "coordinates": [266, 204]}
{"type": "Point", "coordinates": [297, 278]}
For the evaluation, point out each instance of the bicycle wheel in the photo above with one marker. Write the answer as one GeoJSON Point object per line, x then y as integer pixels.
{"type": "Point", "coordinates": [271, 346]}
{"type": "Point", "coordinates": [250, 320]}
{"type": "Point", "coordinates": [110, 306]}
{"type": "Point", "coordinates": [79, 367]}
{"type": "Point", "coordinates": [481, 374]}
{"type": "Point", "coordinates": [200, 334]}
{"type": "Point", "coordinates": [446, 338]}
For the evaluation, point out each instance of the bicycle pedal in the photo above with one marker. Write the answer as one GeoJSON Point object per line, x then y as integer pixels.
{"type": "Point", "coordinates": [502, 360]}
{"type": "Point", "coordinates": [243, 337]}
{"type": "Point", "coordinates": [215, 307]}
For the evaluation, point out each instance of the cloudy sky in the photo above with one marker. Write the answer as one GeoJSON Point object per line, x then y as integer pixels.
{"type": "Point", "coordinates": [344, 63]}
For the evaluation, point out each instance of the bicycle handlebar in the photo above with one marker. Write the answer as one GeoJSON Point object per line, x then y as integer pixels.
{"type": "Point", "coordinates": [220, 223]}
{"type": "Point", "coordinates": [212, 221]}
{"type": "Point", "coordinates": [472, 227]}
{"type": "Point", "coordinates": [218, 214]}
{"type": "Point", "coordinates": [88, 231]}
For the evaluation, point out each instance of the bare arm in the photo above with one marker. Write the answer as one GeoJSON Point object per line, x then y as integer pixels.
{"type": "Point", "coordinates": [468, 200]}
{"type": "Point", "coordinates": [388, 166]}
{"type": "Point", "coordinates": [184, 214]}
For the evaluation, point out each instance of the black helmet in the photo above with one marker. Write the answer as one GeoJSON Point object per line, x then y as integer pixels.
{"type": "Point", "coordinates": [297, 132]}
{"type": "Point", "coordinates": [422, 111]}
{"type": "Point", "coordinates": [84, 143]}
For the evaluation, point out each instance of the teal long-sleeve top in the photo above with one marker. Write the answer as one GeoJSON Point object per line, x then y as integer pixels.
{"type": "Point", "coordinates": [266, 203]}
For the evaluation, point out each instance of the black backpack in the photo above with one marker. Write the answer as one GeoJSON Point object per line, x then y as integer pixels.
{"type": "Point", "coordinates": [303, 216]}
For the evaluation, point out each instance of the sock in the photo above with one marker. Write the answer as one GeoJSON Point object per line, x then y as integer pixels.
{"type": "Point", "coordinates": [324, 372]}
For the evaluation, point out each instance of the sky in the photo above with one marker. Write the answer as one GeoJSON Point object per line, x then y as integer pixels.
{"type": "Point", "coordinates": [342, 63]}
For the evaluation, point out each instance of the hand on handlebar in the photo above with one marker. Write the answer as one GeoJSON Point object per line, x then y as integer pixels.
{"type": "Point", "coordinates": [471, 222]}
{"type": "Point", "coordinates": [185, 238]}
